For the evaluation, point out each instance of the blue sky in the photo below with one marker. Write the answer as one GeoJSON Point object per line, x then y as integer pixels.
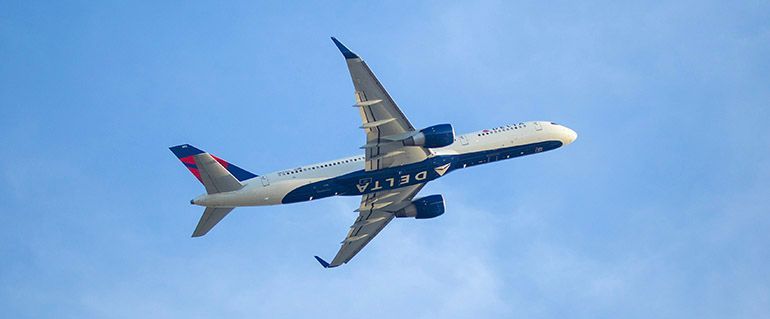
{"type": "Point", "coordinates": [659, 209]}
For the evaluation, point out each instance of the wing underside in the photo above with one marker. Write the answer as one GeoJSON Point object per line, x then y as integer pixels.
{"type": "Point", "coordinates": [376, 211]}
{"type": "Point", "coordinates": [385, 127]}
{"type": "Point", "coordinates": [382, 120]}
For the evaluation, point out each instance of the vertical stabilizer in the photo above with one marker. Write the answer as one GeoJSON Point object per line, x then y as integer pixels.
{"type": "Point", "coordinates": [214, 176]}
{"type": "Point", "coordinates": [186, 153]}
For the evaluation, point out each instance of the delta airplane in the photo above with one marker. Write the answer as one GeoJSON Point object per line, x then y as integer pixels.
{"type": "Point", "coordinates": [398, 161]}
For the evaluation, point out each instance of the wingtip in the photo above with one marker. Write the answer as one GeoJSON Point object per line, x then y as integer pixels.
{"type": "Point", "coordinates": [345, 51]}
{"type": "Point", "coordinates": [320, 260]}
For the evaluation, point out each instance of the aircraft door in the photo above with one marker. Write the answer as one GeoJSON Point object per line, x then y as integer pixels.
{"type": "Point", "coordinates": [538, 127]}
{"type": "Point", "coordinates": [463, 140]}
{"type": "Point", "coordinates": [265, 181]}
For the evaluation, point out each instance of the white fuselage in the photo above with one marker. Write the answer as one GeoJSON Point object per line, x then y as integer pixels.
{"type": "Point", "coordinates": [270, 188]}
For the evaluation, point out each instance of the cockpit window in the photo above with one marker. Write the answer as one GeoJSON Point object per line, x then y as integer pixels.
{"type": "Point", "coordinates": [552, 123]}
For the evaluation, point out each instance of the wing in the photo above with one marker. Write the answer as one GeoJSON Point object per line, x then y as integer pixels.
{"type": "Point", "coordinates": [383, 121]}
{"type": "Point", "coordinates": [376, 211]}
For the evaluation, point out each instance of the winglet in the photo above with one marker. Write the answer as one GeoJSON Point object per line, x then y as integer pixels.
{"type": "Point", "coordinates": [320, 260]}
{"type": "Point", "coordinates": [345, 51]}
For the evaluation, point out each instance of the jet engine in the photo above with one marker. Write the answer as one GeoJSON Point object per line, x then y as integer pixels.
{"type": "Point", "coordinates": [432, 137]}
{"type": "Point", "coordinates": [422, 208]}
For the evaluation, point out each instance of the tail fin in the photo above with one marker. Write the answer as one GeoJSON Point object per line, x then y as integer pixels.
{"type": "Point", "coordinates": [186, 153]}
{"type": "Point", "coordinates": [217, 175]}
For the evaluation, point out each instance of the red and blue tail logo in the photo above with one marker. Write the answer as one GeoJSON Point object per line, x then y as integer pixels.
{"type": "Point", "coordinates": [185, 153]}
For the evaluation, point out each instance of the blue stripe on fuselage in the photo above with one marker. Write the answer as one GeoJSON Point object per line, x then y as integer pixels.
{"type": "Point", "coordinates": [362, 182]}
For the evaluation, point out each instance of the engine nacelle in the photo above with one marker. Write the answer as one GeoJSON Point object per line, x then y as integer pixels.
{"type": "Point", "coordinates": [432, 137]}
{"type": "Point", "coordinates": [426, 207]}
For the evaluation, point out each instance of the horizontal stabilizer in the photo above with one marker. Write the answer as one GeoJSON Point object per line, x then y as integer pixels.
{"type": "Point", "coordinates": [211, 216]}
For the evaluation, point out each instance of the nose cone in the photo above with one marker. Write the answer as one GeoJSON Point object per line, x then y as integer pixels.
{"type": "Point", "coordinates": [569, 136]}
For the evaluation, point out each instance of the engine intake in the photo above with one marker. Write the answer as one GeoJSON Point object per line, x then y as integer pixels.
{"type": "Point", "coordinates": [433, 136]}
{"type": "Point", "coordinates": [423, 208]}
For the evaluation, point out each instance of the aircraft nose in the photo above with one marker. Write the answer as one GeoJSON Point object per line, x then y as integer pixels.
{"type": "Point", "coordinates": [569, 136]}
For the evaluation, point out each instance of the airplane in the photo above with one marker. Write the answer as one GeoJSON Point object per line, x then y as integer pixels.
{"type": "Point", "coordinates": [398, 160]}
